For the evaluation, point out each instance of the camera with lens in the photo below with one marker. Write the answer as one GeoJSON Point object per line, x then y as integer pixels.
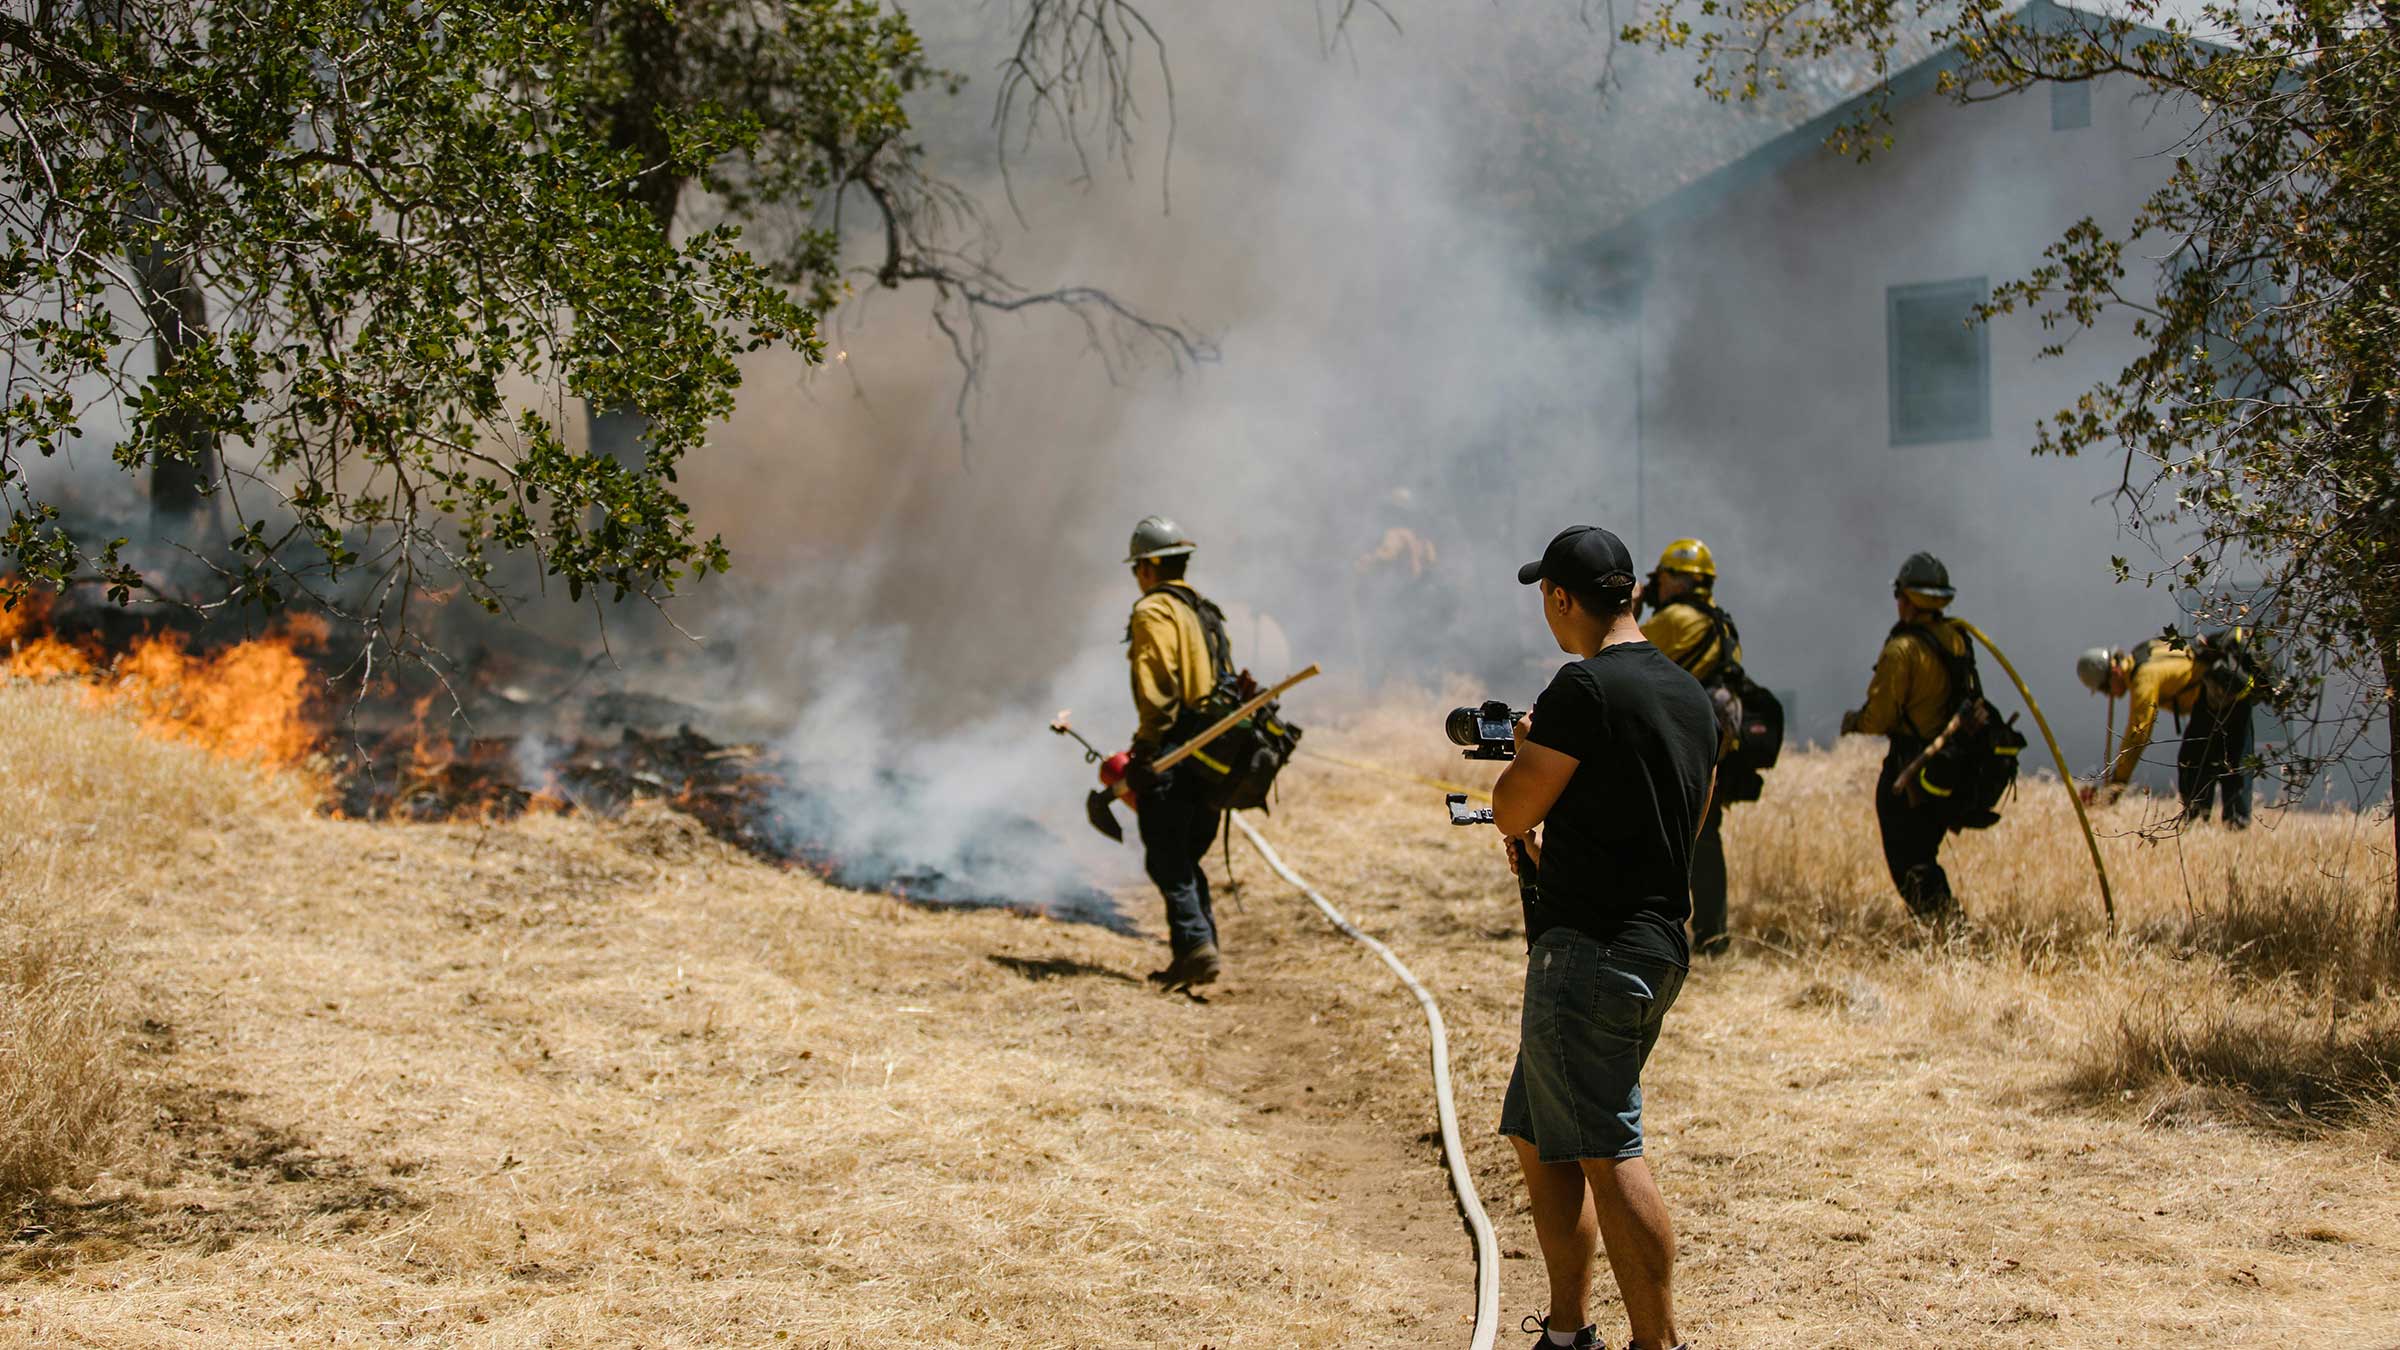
{"type": "Point", "coordinates": [1488, 731]}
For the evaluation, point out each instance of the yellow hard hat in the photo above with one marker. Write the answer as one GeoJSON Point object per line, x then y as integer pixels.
{"type": "Point", "coordinates": [1689, 555]}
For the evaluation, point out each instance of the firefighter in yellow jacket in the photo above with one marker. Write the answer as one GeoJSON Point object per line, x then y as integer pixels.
{"type": "Point", "coordinates": [1910, 700]}
{"type": "Point", "coordinates": [1687, 628]}
{"type": "Point", "coordinates": [1176, 643]}
{"type": "Point", "coordinates": [2212, 761]}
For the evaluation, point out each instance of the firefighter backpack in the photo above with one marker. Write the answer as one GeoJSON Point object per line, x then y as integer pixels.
{"type": "Point", "coordinates": [1239, 767]}
{"type": "Point", "coordinates": [1975, 767]}
{"type": "Point", "coordinates": [1749, 716]}
{"type": "Point", "coordinates": [2229, 667]}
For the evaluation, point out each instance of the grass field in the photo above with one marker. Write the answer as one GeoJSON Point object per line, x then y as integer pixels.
{"type": "Point", "coordinates": [577, 1083]}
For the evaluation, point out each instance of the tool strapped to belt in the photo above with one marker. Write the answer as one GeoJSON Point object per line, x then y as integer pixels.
{"type": "Point", "coordinates": [1970, 765]}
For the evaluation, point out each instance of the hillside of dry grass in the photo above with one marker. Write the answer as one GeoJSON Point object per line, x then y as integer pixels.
{"type": "Point", "coordinates": [571, 1083]}
{"type": "Point", "coordinates": [576, 1083]}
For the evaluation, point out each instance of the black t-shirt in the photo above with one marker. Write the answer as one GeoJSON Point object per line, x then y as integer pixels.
{"type": "Point", "coordinates": [1617, 846]}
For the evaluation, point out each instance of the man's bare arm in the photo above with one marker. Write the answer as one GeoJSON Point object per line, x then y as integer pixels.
{"type": "Point", "coordinates": [1529, 787]}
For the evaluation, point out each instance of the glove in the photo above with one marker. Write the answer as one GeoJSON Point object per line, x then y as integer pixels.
{"type": "Point", "coordinates": [1140, 775]}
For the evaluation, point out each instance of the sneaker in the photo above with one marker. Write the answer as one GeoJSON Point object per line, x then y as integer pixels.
{"type": "Point", "coordinates": [1586, 1339]}
{"type": "Point", "coordinates": [1195, 967]}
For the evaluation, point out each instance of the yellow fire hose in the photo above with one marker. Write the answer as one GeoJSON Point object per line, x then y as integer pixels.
{"type": "Point", "coordinates": [2066, 777]}
{"type": "Point", "coordinates": [1479, 794]}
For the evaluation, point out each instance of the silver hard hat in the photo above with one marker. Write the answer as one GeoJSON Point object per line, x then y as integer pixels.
{"type": "Point", "coordinates": [2093, 667]}
{"type": "Point", "coordinates": [1157, 537]}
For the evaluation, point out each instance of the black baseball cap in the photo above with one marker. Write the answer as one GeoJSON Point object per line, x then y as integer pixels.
{"type": "Point", "coordinates": [1582, 558]}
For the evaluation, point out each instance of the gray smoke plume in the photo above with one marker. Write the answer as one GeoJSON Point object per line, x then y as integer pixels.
{"type": "Point", "coordinates": [1388, 235]}
{"type": "Point", "coordinates": [1410, 401]}
{"type": "Point", "coordinates": [1389, 364]}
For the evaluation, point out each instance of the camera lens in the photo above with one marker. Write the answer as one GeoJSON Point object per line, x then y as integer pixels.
{"type": "Point", "coordinates": [1463, 726]}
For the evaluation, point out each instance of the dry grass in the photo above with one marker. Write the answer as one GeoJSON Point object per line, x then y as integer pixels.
{"type": "Point", "coordinates": [2261, 964]}
{"type": "Point", "coordinates": [1873, 1135]}
{"type": "Point", "coordinates": [60, 1079]}
{"type": "Point", "coordinates": [567, 1083]}
{"type": "Point", "coordinates": [90, 802]}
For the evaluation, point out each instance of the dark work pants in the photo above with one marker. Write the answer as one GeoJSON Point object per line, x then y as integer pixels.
{"type": "Point", "coordinates": [1912, 839]}
{"type": "Point", "coordinates": [2208, 765]}
{"type": "Point", "coordinates": [1708, 884]}
{"type": "Point", "coordinates": [1177, 826]}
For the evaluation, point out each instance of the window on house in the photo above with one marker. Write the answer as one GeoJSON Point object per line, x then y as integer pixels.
{"type": "Point", "coordinates": [2070, 105]}
{"type": "Point", "coordinates": [1941, 364]}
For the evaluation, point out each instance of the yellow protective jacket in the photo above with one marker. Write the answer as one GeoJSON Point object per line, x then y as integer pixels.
{"type": "Point", "coordinates": [2162, 678]}
{"type": "Point", "coordinates": [1171, 666]}
{"type": "Point", "coordinates": [1689, 638]}
{"type": "Point", "coordinates": [1910, 692]}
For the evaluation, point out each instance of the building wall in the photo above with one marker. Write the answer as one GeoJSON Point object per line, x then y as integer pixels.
{"type": "Point", "coordinates": [1760, 421]}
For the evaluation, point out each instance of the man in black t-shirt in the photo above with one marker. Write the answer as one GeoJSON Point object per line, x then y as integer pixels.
{"type": "Point", "coordinates": [1615, 765]}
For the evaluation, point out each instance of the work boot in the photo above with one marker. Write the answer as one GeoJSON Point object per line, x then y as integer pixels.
{"type": "Point", "coordinates": [1195, 967]}
{"type": "Point", "coordinates": [1586, 1339]}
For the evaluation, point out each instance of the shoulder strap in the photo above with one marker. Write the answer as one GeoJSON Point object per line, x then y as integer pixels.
{"type": "Point", "coordinates": [1212, 627]}
{"type": "Point", "coordinates": [1958, 667]}
{"type": "Point", "coordinates": [1722, 638]}
{"type": "Point", "coordinates": [2226, 646]}
{"type": "Point", "coordinates": [1729, 641]}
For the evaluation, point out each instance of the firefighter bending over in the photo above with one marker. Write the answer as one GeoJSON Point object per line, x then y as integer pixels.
{"type": "Point", "coordinates": [1910, 699]}
{"type": "Point", "coordinates": [1176, 643]}
{"type": "Point", "coordinates": [2209, 686]}
{"type": "Point", "coordinates": [1689, 629]}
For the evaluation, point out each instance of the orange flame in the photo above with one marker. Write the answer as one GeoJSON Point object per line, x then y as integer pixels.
{"type": "Point", "coordinates": [31, 614]}
{"type": "Point", "coordinates": [252, 701]}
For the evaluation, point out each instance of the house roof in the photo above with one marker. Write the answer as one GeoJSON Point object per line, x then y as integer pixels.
{"type": "Point", "coordinates": [1837, 99]}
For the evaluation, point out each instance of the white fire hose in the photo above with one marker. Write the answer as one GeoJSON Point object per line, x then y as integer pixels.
{"type": "Point", "coordinates": [1462, 1182]}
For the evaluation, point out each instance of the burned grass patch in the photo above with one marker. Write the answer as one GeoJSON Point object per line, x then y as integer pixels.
{"type": "Point", "coordinates": [512, 727]}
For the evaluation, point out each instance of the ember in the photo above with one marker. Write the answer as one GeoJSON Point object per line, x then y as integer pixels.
{"type": "Point", "coordinates": [417, 754]}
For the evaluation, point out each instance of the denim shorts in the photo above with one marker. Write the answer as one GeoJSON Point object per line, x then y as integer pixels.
{"type": "Point", "coordinates": [1591, 1016]}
